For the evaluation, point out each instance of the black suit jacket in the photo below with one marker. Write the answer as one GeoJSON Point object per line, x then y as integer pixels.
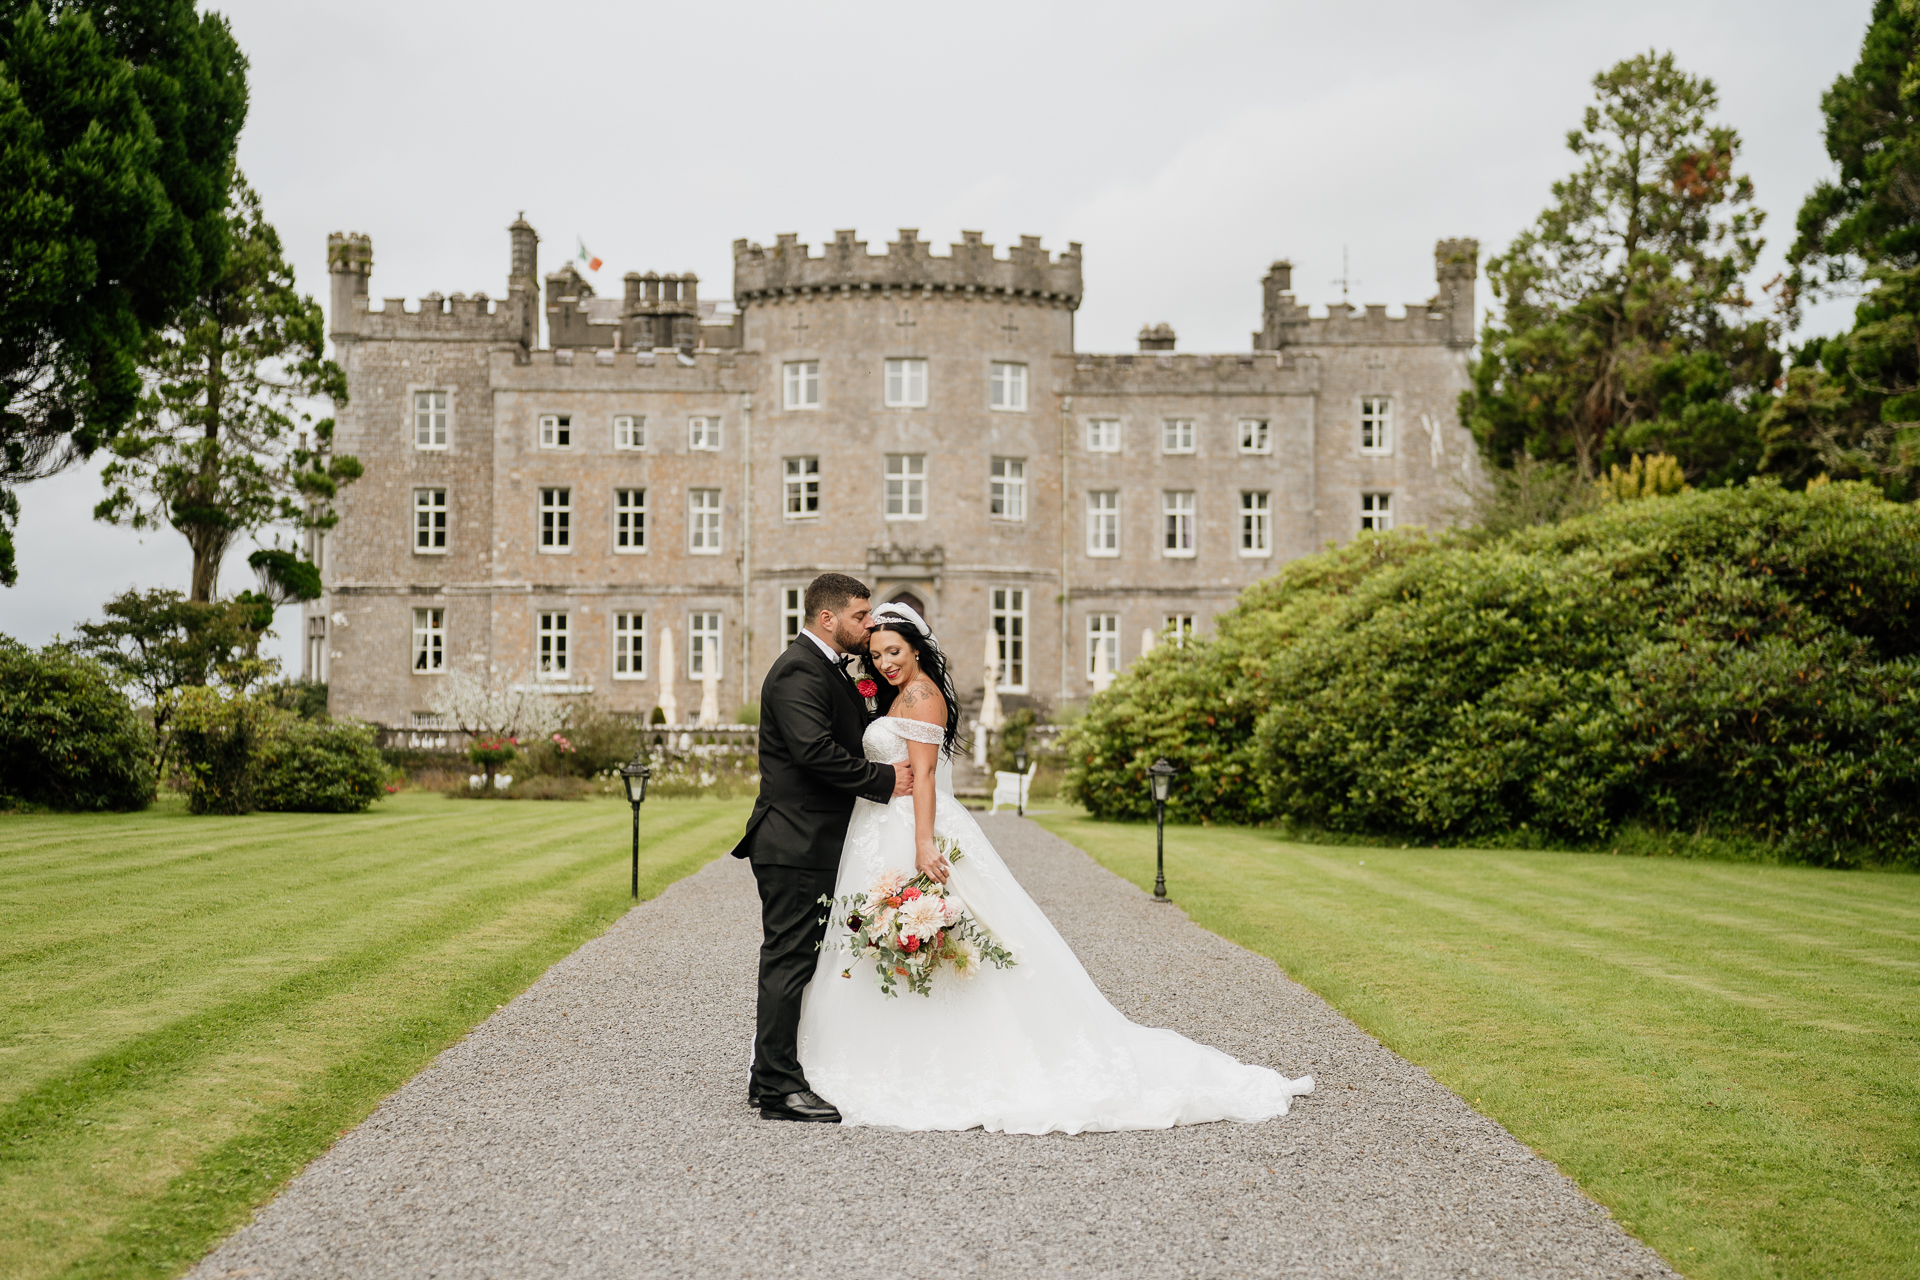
{"type": "Point", "coordinates": [811, 763]}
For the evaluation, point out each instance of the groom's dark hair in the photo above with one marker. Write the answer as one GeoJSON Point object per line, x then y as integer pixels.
{"type": "Point", "coordinates": [831, 591]}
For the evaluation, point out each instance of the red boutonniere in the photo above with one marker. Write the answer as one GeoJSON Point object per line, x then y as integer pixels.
{"type": "Point", "coordinates": [867, 688]}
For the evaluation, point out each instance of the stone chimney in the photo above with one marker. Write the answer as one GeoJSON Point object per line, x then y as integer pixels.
{"type": "Point", "coordinates": [1156, 337]}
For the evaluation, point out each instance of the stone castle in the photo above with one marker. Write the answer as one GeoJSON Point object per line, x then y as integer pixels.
{"type": "Point", "coordinates": [631, 508]}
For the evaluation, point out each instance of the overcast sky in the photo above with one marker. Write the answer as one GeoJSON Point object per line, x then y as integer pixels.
{"type": "Point", "coordinates": [1185, 146]}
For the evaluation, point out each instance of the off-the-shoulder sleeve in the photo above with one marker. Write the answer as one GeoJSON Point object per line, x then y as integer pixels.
{"type": "Point", "coordinates": [918, 730]}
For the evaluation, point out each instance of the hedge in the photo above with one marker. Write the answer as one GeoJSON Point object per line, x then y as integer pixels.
{"type": "Point", "coordinates": [68, 738]}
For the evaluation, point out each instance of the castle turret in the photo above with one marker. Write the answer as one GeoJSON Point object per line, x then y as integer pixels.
{"type": "Point", "coordinates": [1456, 264]}
{"type": "Point", "coordinates": [523, 281]}
{"type": "Point", "coordinates": [350, 264]}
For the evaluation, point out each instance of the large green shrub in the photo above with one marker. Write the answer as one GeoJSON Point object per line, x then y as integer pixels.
{"type": "Point", "coordinates": [1744, 661]}
{"type": "Point", "coordinates": [319, 766]}
{"type": "Point", "coordinates": [68, 738]}
{"type": "Point", "coordinates": [217, 738]}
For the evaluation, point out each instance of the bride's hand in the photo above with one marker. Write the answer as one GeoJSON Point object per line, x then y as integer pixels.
{"type": "Point", "coordinates": [928, 862]}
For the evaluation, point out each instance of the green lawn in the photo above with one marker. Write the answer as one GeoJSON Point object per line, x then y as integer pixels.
{"type": "Point", "coordinates": [1726, 1055]}
{"type": "Point", "coordinates": [193, 1008]}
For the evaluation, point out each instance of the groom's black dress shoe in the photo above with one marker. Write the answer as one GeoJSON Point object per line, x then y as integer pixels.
{"type": "Point", "coordinates": [805, 1105]}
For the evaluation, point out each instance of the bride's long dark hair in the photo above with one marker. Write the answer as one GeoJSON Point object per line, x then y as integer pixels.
{"type": "Point", "coordinates": [933, 665]}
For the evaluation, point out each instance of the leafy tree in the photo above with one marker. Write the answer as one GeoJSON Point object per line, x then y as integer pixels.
{"type": "Point", "coordinates": [221, 445]}
{"type": "Point", "coordinates": [1851, 406]}
{"type": "Point", "coordinates": [1625, 324]}
{"type": "Point", "coordinates": [68, 738]}
{"type": "Point", "coordinates": [118, 123]}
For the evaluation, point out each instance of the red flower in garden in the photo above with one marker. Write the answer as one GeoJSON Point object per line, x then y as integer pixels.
{"type": "Point", "coordinates": [867, 688]}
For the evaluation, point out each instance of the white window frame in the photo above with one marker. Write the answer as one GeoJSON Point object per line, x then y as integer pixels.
{"type": "Point", "coordinates": [432, 418]}
{"type": "Point", "coordinates": [629, 645]}
{"type": "Point", "coordinates": [703, 634]}
{"type": "Point", "coordinates": [1176, 435]}
{"type": "Point", "coordinates": [1007, 489]}
{"type": "Point", "coordinates": [556, 431]}
{"type": "Point", "coordinates": [1103, 627]}
{"type": "Point", "coordinates": [430, 521]}
{"type": "Point", "coordinates": [905, 491]}
{"type": "Point", "coordinates": [1103, 435]}
{"type": "Point", "coordinates": [802, 384]}
{"type": "Point", "coordinates": [629, 431]}
{"type": "Point", "coordinates": [1376, 426]}
{"type": "Point", "coordinates": [1007, 387]}
{"type": "Point", "coordinates": [800, 488]}
{"type": "Point", "coordinates": [793, 613]}
{"type": "Point", "coordinates": [1256, 524]}
{"type": "Point", "coordinates": [906, 383]}
{"type": "Point", "coordinates": [1178, 628]}
{"type": "Point", "coordinates": [629, 522]}
{"type": "Point", "coordinates": [430, 641]}
{"type": "Point", "coordinates": [1256, 435]}
{"type": "Point", "coordinates": [703, 433]}
{"type": "Point", "coordinates": [553, 656]}
{"type": "Point", "coordinates": [1376, 511]}
{"type": "Point", "coordinates": [1010, 635]}
{"type": "Point", "coordinates": [1103, 524]}
{"type": "Point", "coordinates": [1179, 524]}
{"type": "Point", "coordinates": [704, 528]}
{"type": "Point", "coordinates": [556, 520]}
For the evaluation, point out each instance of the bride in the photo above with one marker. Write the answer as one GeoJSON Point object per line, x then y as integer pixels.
{"type": "Point", "coordinates": [1034, 1048]}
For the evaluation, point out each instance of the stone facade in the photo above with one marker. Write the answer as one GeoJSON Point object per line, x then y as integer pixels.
{"type": "Point", "coordinates": [545, 514]}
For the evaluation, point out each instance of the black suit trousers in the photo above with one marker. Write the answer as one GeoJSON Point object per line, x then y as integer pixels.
{"type": "Point", "coordinates": [794, 922]}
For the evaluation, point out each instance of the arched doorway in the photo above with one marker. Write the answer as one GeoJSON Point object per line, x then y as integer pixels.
{"type": "Point", "coordinates": [912, 602]}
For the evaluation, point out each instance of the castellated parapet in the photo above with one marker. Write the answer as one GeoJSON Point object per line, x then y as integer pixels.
{"type": "Point", "coordinates": [1446, 319]}
{"type": "Point", "coordinates": [1028, 271]}
{"type": "Point", "coordinates": [436, 317]}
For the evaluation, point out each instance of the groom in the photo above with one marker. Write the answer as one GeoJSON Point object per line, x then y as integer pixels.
{"type": "Point", "coordinates": [811, 770]}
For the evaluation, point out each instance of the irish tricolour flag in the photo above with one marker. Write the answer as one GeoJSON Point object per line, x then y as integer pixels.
{"type": "Point", "coordinates": [593, 263]}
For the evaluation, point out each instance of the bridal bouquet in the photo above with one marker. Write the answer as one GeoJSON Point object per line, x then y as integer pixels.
{"type": "Point", "coordinates": [910, 929]}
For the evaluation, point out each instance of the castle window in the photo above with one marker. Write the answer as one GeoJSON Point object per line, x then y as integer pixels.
{"type": "Point", "coordinates": [1178, 627]}
{"type": "Point", "coordinates": [803, 384]}
{"type": "Point", "coordinates": [906, 486]}
{"type": "Point", "coordinates": [1177, 510]}
{"type": "Point", "coordinates": [703, 645]}
{"type": "Point", "coordinates": [429, 641]}
{"type": "Point", "coordinates": [1176, 435]}
{"type": "Point", "coordinates": [556, 431]}
{"type": "Point", "coordinates": [703, 522]}
{"type": "Point", "coordinates": [556, 521]}
{"type": "Point", "coordinates": [703, 433]}
{"type": "Point", "coordinates": [1010, 637]}
{"type": "Point", "coordinates": [629, 431]}
{"type": "Point", "coordinates": [429, 419]}
{"type": "Point", "coordinates": [1376, 424]}
{"type": "Point", "coordinates": [429, 522]}
{"type": "Point", "coordinates": [629, 646]}
{"type": "Point", "coordinates": [554, 658]}
{"type": "Point", "coordinates": [629, 521]}
{"type": "Point", "coordinates": [1256, 525]}
{"type": "Point", "coordinates": [1008, 387]}
{"type": "Point", "coordinates": [1254, 436]}
{"type": "Point", "coordinates": [802, 488]}
{"type": "Point", "coordinates": [1103, 435]}
{"type": "Point", "coordinates": [1103, 523]}
{"type": "Point", "coordinates": [792, 612]}
{"type": "Point", "coordinates": [1376, 511]}
{"type": "Point", "coordinates": [1103, 632]}
{"type": "Point", "coordinates": [906, 384]}
{"type": "Point", "coordinates": [1008, 496]}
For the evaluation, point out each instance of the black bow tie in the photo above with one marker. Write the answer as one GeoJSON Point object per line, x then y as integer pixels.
{"type": "Point", "coordinates": [847, 660]}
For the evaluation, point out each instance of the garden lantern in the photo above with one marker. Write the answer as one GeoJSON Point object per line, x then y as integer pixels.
{"type": "Point", "coordinates": [633, 776]}
{"type": "Point", "coordinates": [1020, 767]}
{"type": "Point", "coordinates": [1160, 777]}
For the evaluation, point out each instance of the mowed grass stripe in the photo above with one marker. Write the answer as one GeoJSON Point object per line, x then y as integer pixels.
{"type": "Point", "coordinates": [1721, 1054]}
{"type": "Point", "coordinates": [267, 1027]}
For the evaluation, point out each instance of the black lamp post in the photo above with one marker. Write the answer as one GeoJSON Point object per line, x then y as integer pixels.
{"type": "Point", "coordinates": [633, 776]}
{"type": "Point", "coordinates": [1020, 767]}
{"type": "Point", "coordinates": [1160, 776]}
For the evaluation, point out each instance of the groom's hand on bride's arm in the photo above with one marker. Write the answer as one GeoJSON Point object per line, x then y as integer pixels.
{"type": "Point", "coordinates": [902, 780]}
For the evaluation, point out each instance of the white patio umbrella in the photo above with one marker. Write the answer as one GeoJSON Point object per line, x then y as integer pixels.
{"type": "Point", "coordinates": [669, 705]}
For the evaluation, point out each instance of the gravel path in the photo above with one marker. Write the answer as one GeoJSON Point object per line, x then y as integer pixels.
{"type": "Point", "coordinates": [598, 1126]}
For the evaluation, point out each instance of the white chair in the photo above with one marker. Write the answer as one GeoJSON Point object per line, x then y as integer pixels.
{"type": "Point", "coordinates": [1011, 788]}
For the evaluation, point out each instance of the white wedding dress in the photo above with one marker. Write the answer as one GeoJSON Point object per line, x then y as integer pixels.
{"type": "Point", "coordinates": [1030, 1049]}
